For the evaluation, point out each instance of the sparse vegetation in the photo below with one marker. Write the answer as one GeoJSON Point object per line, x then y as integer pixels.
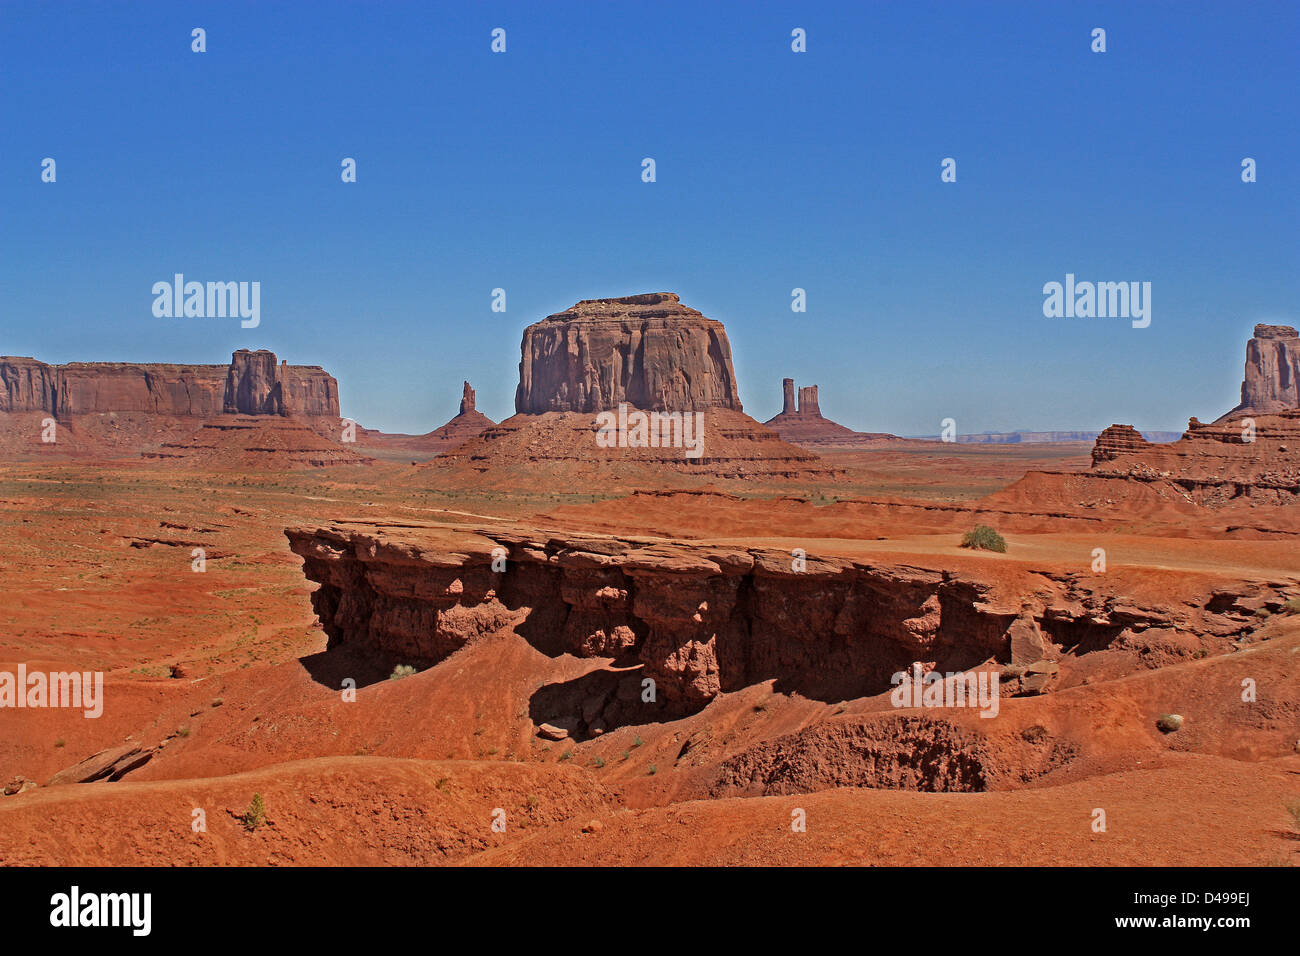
{"type": "Point", "coordinates": [598, 762]}
{"type": "Point", "coordinates": [652, 771]}
{"type": "Point", "coordinates": [255, 815]}
{"type": "Point", "coordinates": [983, 538]}
{"type": "Point", "coordinates": [637, 741]}
{"type": "Point", "coordinates": [182, 731]}
{"type": "Point", "coordinates": [566, 755]}
{"type": "Point", "coordinates": [1292, 606]}
{"type": "Point", "coordinates": [400, 671]}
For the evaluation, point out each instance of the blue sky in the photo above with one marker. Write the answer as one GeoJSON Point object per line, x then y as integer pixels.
{"type": "Point", "coordinates": [775, 170]}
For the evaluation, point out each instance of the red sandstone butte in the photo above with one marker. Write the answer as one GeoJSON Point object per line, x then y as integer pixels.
{"type": "Point", "coordinates": [647, 350]}
{"type": "Point", "coordinates": [1272, 381]}
{"type": "Point", "coordinates": [805, 426]}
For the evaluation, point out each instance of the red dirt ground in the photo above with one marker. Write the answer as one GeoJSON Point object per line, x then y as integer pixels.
{"type": "Point", "coordinates": [226, 673]}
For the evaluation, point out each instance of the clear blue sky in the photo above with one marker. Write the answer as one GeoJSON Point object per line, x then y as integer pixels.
{"type": "Point", "coordinates": [775, 170]}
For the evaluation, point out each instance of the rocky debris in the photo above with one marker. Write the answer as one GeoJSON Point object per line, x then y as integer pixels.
{"type": "Point", "coordinates": [552, 732]}
{"type": "Point", "coordinates": [112, 764]}
{"type": "Point", "coordinates": [19, 784]}
{"type": "Point", "coordinates": [803, 425]}
{"type": "Point", "coordinates": [1272, 380]}
{"type": "Point", "coordinates": [1027, 643]}
{"type": "Point", "coordinates": [247, 384]}
{"type": "Point", "coordinates": [649, 351]}
{"type": "Point", "coordinates": [1170, 723]}
{"type": "Point", "coordinates": [1038, 676]}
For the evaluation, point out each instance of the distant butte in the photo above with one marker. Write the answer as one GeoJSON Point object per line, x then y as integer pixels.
{"type": "Point", "coordinates": [648, 350]}
{"type": "Point", "coordinates": [1272, 381]}
{"type": "Point", "coordinates": [805, 426]}
{"type": "Point", "coordinates": [468, 423]}
{"type": "Point", "coordinates": [255, 412]}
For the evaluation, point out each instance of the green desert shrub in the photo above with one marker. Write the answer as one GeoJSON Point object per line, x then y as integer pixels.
{"type": "Point", "coordinates": [984, 538]}
{"type": "Point", "coordinates": [255, 815]}
{"type": "Point", "coordinates": [400, 671]}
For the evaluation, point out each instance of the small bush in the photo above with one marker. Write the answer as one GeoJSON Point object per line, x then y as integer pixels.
{"type": "Point", "coordinates": [255, 815]}
{"type": "Point", "coordinates": [1292, 606]}
{"type": "Point", "coordinates": [653, 770]}
{"type": "Point", "coordinates": [983, 538]}
{"type": "Point", "coordinates": [637, 741]}
{"type": "Point", "coordinates": [598, 762]}
{"type": "Point", "coordinates": [400, 671]}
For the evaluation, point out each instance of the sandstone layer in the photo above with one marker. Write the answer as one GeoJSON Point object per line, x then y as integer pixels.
{"type": "Point", "coordinates": [647, 350]}
{"type": "Point", "coordinates": [1259, 459]}
{"type": "Point", "coordinates": [705, 619]}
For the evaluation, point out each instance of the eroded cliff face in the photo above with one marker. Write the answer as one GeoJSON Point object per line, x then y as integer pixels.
{"type": "Point", "coordinates": [1212, 464]}
{"type": "Point", "coordinates": [251, 384]}
{"type": "Point", "coordinates": [647, 350]}
{"type": "Point", "coordinates": [701, 620]}
{"type": "Point", "coordinates": [1272, 380]}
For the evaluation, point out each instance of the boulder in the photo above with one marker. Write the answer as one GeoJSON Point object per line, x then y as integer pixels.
{"type": "Point", "coordinates": [111, 764]}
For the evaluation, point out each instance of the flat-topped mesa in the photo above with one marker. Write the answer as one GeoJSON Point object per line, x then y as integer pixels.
{"type": "Point", "coordinates": [251, 384]}
{"type": "Point", "coordinates": [1272, 379]}
{"type": "Point", "coordinates": [649, 351]}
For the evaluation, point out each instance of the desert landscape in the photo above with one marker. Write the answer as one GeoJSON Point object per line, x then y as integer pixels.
{"type": "Point", "coordinates": [551, 640]}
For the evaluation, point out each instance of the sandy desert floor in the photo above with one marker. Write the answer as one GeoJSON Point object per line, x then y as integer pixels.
{"type": "Point", "coordinates": [226, 678]}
